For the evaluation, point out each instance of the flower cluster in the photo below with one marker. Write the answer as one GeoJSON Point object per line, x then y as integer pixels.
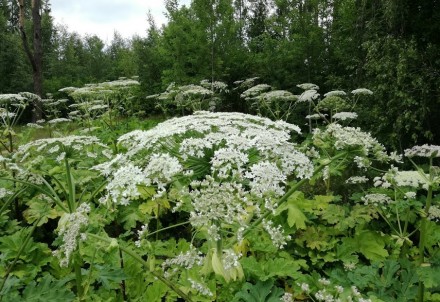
{"type": "Point", "coordinates": [362, 91]}
{"type": "Point", "coordinates": [246, 84]}
{"type": "Point", "coordinates": [333, 293]}
{"type": "Point", "coordinates": [376, 199]}
{"type": "Point", "coordinates": [4, 193]}
{"type": "Point", "coordinates": [217, 86]}
{"type": "Point", "coordinates": [58, 147]}
{"type": "Point", "coordinates": [277, 96]}
{"type": "Point", "coordinates": [276, 234]}
{"type": "Point", "coordinates": [201, 288]}
{"type": "Point", "coordinates": [340, 138]}
{"type": "Point", "coordinates": [410, 179]}
{"type": "Point", "coordinates": [434, 213]}
{"type": "Point", "coordinates": [335, 93]}
{"type": "Point", "coordinates": [308, 86]}
{"type": "Point", "coordinates": [423, 151]}
{"type": "Point", "coordinates": [308, 96]}
{"type": "Point", "coordinates": [316, 116]}
{"type": "Point", "coordinates": [70, 226]}
{"type": "Point", "coordinates": [357, 180]}
{"type": "Point", "coordinates": [255, 91]}
{"type": "Point", "coordinates": [185, 260]}
{"type": "Point", "coordinates": [332, 103]}
{"type": "Point", "coordinates": [345, 116]}
{"type": "Point", "coordinates": [232, 167]}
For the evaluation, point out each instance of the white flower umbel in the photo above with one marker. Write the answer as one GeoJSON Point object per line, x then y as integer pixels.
{"type": "Point", "coordinates": [160, 171]}
{"type": "Point", "coordinates": [362, 91]}
{"type": "Point", "coordinates": [354, 139]}
{"type": "Point", "coordinates": [408, 179]}
{"type": "Point", "coordinates": [376, 199]}
{"type": "Point", "coordinates": [276, 234]}
{"type": "Point", "coordinates": [342, 116]}
{"type": "Point", "coordinates": [4, 193]}
{"type": "Point", "coordinates": [123, 187]}
{"type": "Point", "coordinates": [233, 165]}
{"type": "Point", "coordinates": [308, 86]}
{"type": "Point", "coordinates": [59, 120]}
{"type": "Point", "coordinates": [308, 96]}
{"type": "Point", "coordinates": [215, 202]}
{"type": "Point", "coordinates": [434, 213]}
{"type": "Point", "coordinates": [335, 93]}
{"type": "Point", "coordinates": [201, 288]}
{"type": "Point", "coordinates": [423, 151]}
{"type": "Point", "coordinates": [255, 91]}
{"type": "Point", "coordinates": [277, 96]}
{"type": "Point", "coordinates": [287, 297]}
{"type": "Point", "coordinates": [266, 178]}
{"type": "Point", "coordinates": [57, 147]}
{"type": "Point", "coordinates": [357, 180]}
{"type": "Point", "coordinates": [186, 260]}
{"type": "Point", "coordinates": [316, 116]}
{"type": "Point", "coordinates": [70, 226]}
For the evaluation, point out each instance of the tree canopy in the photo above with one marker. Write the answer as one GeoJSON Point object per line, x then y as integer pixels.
{"type": "Point", "coordinates": [390, 47]}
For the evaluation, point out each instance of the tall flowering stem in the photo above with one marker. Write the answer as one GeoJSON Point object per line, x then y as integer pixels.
{"type": "Point", "coordinates": [427, 151]}
{"type": "Point", "coordinates": [70, 186]}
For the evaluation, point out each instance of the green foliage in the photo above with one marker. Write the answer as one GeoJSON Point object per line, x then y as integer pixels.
{"type": "Point", "coordinates": [47, 289]}
{"type": "Point", "coordinates": [259, 292]}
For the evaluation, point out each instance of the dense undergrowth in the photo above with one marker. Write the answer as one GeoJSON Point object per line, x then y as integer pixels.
{"type": "Point", "coordinates": [100, 205]}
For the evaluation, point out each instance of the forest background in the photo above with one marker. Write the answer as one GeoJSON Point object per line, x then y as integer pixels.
{"type": "Point", "coordinates": [390, 47]}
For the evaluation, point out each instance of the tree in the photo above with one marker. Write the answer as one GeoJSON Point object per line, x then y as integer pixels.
{"type": "Point", "coordinates": [13, 64]}
{"type": "Point", "coordinates": [36, 56]}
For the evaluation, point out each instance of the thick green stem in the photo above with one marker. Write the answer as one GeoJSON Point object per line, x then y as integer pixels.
{"type": "Point", "coordinates": [144, 263]}
{"type": "Point", "coordinates": [422, 241]}
{"type": "Point", "coordinates": [168, 227]}
{"type": "Point", "coordinates": [11, 142]}
{"type": "Point", "coordinates": [78, 275]}
{"type": "Point", "coordinates": [122, 285]}
{"type": "Point", "coordinates": [70, 187]}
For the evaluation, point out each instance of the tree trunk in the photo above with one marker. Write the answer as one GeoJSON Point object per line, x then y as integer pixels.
{"type": "Point", "coordinates": [35, 57]}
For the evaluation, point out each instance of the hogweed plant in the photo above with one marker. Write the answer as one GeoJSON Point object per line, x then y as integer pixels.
{"type": "Point", "coordinates": [222, 207]}
{"type": "Point", "coordinates": [101, 105]}
{"type": "Point", "coordinates": [190, 98]}
{"type": "Point", "coordinates": [336, 106]}
{"type": "Point", "coordinates": [56, 168]}
{"type": "Point", "coordinates": [231, 174]}
{"type": "Point", "coordinates": [12, 107]}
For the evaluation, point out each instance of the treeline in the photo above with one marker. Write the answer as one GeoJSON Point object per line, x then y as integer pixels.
{"type": "Point", "coordinates": [390, 47]}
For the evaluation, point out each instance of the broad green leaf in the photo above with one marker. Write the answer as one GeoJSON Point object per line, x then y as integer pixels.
{"type": "Point", "coordinates": [155, 292]}
{"type": "Point", "coordinates": [322, 201]}
{"type": "Point", "coordinates": [295, 217]}
{"type": "Point", "coordinates": [47, 290]}
{"type": "Point", "coordinates": [109, 276]}
{"type": "Point", "coordinates": [371, 245]}
{"type": "Point", "coordinates": [260, 292]}
{"type": "Point", "coordinates": [429, 275]}
{"type": "Point", "coordinates": [146, 192]}
{"type": "Point", "coordinates": [316, 238]}
{"type": "Point", "coordinates": [151, 206]}
{"type": "Point", "coordinates": [130, 215]}
{"type": "Point", "coordinates": [266, 269]}
{"type": "Point", "coordinates": [40, 209]}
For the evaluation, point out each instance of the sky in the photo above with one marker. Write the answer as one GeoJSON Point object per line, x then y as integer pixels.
{"type": "Point", "coordinates": [103, 17]}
